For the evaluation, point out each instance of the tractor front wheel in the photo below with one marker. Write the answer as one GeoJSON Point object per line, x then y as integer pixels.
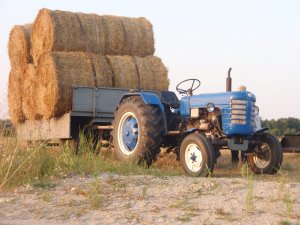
{"type": "Point", "coordinates": [267, 157]}
{"type": "Point", "coordinates": [197, 155]}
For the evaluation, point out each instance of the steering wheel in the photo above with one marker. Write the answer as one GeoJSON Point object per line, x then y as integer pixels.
{"type": "Point", "coordinates": [194, 82]}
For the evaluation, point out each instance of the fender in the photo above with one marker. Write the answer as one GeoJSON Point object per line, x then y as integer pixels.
{"type": "Point", "coordinates": [150, 99]}
{"type": "Point", "coordinates": [186, 133]}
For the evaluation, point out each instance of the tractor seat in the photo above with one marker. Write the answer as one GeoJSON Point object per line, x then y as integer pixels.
{"type": "Point", "coordinates": [170, 99]}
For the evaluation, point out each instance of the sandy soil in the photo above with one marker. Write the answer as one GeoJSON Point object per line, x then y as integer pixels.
{"type": "Point", "coordinates": [115, 199]}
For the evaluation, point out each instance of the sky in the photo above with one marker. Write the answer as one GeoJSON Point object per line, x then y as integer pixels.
{"type": "Point", "coordinates": [259, 39]}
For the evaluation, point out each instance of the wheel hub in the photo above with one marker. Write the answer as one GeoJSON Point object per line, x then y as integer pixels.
{"type": "Point", "coordinates": [128, 133]}
{"type": "Point", "coordinates": [193, 157]}
{"type": "Point", "coordinates": [263, 157]}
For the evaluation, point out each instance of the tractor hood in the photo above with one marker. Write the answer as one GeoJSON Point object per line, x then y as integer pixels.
{"type": "Point", "coordinates": [230, 104]}
{"type": "Point", "coordinates": [220, 99]}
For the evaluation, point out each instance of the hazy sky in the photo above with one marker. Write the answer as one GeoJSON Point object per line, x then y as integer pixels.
{"type": "Point", "coordinates": [259, 39]}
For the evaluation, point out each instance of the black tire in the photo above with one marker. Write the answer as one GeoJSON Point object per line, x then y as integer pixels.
{"type": "Point", "coordinates": [148, 127]}
{"type": "Point", "coordinates": [206, 152]}
{"type": "Point", "coordinates": [269, 159]}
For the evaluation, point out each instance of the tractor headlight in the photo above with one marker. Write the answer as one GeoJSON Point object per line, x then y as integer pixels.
{"type": "Point", "coordinates": [210, 107]}
{"type": "Point", "coordinates": [256, 110]}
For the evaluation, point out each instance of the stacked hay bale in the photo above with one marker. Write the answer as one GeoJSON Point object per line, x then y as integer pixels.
{"type": "Point", "coordinates": [105, 35]}
{"type": "Point", "coordinates": [19, 54]}
{"type": "Point", "coordinates": [77, 49]}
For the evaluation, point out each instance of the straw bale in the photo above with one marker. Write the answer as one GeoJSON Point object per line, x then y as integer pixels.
{"type": "Point", "coordinates": [19, 47]}
{"type": "Point", "coordinates": [30, 92]}
{"type": "Point", "coordinates": [153, 73]}
{"type": "Point", "coordinates": [58, 72]}
{"type": "Point", "coordinates": [15, 98]}
{"type": "Point", "coordinates": [106, 35]}
{"type": "Point", "coordinates": [135, 30]}
{"type": "Point", "coordinates": [137, 72]}
{"type": "Point", "coordinates": [124, 72]}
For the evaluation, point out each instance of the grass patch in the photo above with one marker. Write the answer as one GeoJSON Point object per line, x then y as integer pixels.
{"type": "Point", "coordinates": [288, 203]}
{"type": "Point", "coordinates": [134, 218]}
{"type": "Point", "coordinates": [221, 212]}
{"type": "Point", "coordinates": [145, 192]}
{"type": "Point", "coordinates": [245, 172]}
{"type": "Point", "coordinates": [37, 162]}
{"type": "Point", "coordinates": [223, 215]}
{"type": "Point", "coordinates": [284, 222]}
{"type": "Point", "coordinates": [179, 204]}
{"type": "Point", "coordinates": [184, 218]}
{"type": "Point", "coordinates": [42, 184]}
{"type": "Point", "coordinates": [94, 194]}
{"type": "Point", "coordinates": [288, 167]}
{"type": "Point", "coordinates": [46, 196]}
{"type": "Point", "coordinates": [188, 207]}
{"type": "Point", "coordinates": [209, 189]}
{"type": "Point", "coordinates": [283, 192]}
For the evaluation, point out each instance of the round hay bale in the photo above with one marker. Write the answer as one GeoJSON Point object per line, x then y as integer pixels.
{"type": "Point", "coordinates": [147, 73]}
{"type": "Point", "coordinates": [29, 91]}
{"type": "Point", "coordinates": [135, 31]}
{"type": "Point", "coordinates": [19, 46]}
{"type": "Point", "coordinates": [153, 73]}
{"type": "Point", "coordinates": [124, 72]}
{"type": "Point", "coordinates": [58, 72]}
{"type": "Point", "coordinates": [15, 98]}
{"type": "Point", "coordinates": [107, 35]}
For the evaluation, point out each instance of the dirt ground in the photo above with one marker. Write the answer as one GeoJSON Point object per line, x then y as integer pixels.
{"type": "Point", "coordinates": [226, 198]}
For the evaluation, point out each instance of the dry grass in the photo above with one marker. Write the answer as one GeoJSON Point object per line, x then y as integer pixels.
{"type": "Point", "coordinates": [290, 165]}
{"type": "Point", "coordinates": [22, 164]}
{"type": "Point", "coordinates": [106, 35]}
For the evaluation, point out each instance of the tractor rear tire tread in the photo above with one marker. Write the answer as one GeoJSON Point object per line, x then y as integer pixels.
{"type": "Point", "coordinates": [150, 123]}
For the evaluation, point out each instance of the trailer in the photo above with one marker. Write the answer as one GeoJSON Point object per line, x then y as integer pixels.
{"type": "Point", "coordinates": [291, 143]}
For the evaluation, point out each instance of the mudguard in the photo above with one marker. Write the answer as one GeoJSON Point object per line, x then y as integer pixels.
{"type": "Point", "coordinates": [186, 133]}
{"type": "Point", "coordinates": [150, 99]}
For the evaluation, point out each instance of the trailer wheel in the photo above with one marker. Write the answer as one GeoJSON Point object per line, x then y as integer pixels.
{"type": "Point", "coordinates": [267, 158]}
{"type": "Point", "coordinates": [197, 155]}
{"type": "Point", "coordinates": [138, 130]}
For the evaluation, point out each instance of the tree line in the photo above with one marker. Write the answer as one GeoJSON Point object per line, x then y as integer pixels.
{"type": "Point", "coordinates": [282, 126]}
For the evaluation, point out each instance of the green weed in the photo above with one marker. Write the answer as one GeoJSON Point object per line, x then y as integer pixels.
{"type": "Point", "coordinates": [94, 194]}
{"type": "Point", "coordinates": [245, 172]}
{"type": "Point", "coordinates": [283, 193]}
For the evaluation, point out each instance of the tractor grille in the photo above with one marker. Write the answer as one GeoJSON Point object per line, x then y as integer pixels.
{"type": "Point", "coordinates": [253, 124]}
{"type": "Point", "coordinates": [238, 111]}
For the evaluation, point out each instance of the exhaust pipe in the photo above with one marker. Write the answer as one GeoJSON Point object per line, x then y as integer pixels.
{"type": "Point", "coordinates": [228, 81]}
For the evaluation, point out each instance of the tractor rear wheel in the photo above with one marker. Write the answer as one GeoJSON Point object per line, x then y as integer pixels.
{"type": "Point", "coordinates": [138, 131]}
{"type": "Point", "coordinates": [197, 155]}
{"type": "Point", "coordinates": [266, 158]}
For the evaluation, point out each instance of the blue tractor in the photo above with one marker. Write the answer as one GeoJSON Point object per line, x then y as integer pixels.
{"type": "Point", "coordinates": [195, 127]}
